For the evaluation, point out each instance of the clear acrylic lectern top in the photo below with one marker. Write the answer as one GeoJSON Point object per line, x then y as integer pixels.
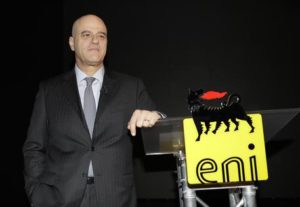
{"type": "Point", "coordinates": [166, 137]}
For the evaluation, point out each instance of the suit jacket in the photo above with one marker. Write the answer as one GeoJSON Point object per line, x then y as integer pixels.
{"type": "Point", "coordinates": [58, 147]}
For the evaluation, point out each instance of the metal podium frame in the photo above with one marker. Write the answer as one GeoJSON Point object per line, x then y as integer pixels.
{"type": "Point", "coordinates": [168, 139]}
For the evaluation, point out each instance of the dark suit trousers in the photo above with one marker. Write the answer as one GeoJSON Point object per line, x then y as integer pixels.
{"type": "Point", "coordinates": [90, 196]}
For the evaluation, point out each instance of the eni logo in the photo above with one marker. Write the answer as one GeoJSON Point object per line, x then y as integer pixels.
{"type": "Point", "coordinates": [208, 165]}
{"type": "Point", "coordinates": [211, 106]}
{"type": "Point", "coordinates": [223, 155]}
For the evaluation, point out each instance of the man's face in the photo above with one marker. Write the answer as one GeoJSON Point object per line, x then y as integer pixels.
{"type": "Point", "coordinates": [89, 41]}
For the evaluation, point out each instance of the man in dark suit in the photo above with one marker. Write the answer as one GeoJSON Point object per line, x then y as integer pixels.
{"type": "Point", "coordinates": [68, 161]}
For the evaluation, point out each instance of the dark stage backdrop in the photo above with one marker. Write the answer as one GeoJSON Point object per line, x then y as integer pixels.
{"type": "Point", "coordinates": [247, 47]}
{"type": "Point", "coordinates": [32, 43]}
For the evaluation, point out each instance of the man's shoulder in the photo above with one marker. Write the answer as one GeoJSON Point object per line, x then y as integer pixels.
{"type": "Point", "coordinates": [58, 78]}
{"type": "Point", "coordinates": [122, 76]}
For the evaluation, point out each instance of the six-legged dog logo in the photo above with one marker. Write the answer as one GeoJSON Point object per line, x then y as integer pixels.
{"type": "Point", "coordinates": [199, 103]}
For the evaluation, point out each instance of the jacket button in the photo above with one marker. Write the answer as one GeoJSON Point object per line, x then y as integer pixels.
{"type": "Point", "coordinates": [92, 148]}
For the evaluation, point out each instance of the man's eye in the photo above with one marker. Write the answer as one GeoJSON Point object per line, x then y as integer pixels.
{"type": "Point", "coordinates": [101, 36]}
{"type": "Point", "coordinates": [85, 35]}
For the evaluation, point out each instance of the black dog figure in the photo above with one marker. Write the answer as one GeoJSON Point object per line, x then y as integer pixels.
{"type": "Point", "coordinates": [223, 112]}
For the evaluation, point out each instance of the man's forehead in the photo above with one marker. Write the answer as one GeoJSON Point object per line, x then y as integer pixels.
{"type": "Point", "coordinates": [90, 23]}
{"type": "Point", "coordinates": [92, 29]}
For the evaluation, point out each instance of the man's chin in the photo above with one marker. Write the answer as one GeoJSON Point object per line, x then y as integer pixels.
{"type": "Point", "coordinates": [94, 63]}
{"type": "Point", "coordinates": [94, 60]}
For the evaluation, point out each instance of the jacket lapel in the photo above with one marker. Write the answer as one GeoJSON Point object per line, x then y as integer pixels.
{"type": "Point", "coordinates": [72, 95]}
{"type": "Point", "coordinates": [108, 90]}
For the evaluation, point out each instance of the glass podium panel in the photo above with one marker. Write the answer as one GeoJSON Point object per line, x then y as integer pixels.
{"type": "Point", "coordinates": [166, 137]}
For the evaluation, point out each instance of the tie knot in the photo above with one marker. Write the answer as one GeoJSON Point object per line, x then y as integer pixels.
{"type": "Point", "coordinates": [89, 81]}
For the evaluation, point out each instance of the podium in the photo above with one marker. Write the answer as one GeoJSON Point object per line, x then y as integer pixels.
{"type": "Point", "coordinates": [167, 137]}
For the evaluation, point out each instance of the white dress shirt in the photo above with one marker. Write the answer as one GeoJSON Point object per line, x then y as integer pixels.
{"type": "Point", "coordinates": [97, 85]}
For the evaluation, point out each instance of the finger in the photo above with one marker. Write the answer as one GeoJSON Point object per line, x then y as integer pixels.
{"type": "Point", "coordinates": [140, 118]}
{"type": "Point", "coordinates": [152, 122]}
{"type": "Point", "coordinates": [132, 128]}
{"type": "Point", "coordinates": [132, 124]}
{"type": "Point", "coordinates": [146, 123]}
{"type": "Point", "coordinates": [154, 118]}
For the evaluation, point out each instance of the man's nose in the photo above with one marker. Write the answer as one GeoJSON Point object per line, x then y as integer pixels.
{"type": "Point", "coordinates": [95, 38]}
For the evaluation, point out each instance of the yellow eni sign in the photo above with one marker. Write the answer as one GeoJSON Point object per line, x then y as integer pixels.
{"type": "Point", "coordinates": [225, 157]}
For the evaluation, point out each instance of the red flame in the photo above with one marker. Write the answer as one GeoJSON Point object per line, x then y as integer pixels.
{"type": "Point", "coordinates": [210, 95]}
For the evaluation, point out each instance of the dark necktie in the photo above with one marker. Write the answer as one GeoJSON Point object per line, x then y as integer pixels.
{"type": "Point", "coordinates": [89, 107]}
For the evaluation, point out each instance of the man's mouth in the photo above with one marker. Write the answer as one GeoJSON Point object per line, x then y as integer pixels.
{"type": "Point", "coordinates": [93, 49]}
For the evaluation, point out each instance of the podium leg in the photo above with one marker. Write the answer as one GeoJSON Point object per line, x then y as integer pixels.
{"type": "Point", "coordinates": [234, 196]}
{"type": "Point", "coordinates": [187, 196]}
{"type": "Point", "coordinates": [179, 183]}
{"type": "Point", "coordinates": [249, 194]}
{"type": "Point", "coordinates": [243, 197]}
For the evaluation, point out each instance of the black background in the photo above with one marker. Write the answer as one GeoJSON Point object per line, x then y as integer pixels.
{"type": "Point", "coordinates": [248, 47]}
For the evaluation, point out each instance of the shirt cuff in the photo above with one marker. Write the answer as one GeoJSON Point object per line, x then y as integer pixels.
{"type": "Point", "coordinates": [162, 115]}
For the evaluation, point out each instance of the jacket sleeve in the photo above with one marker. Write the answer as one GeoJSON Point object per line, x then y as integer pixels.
{"type": "Point", "coordinates": [34, 148]}
{"type": "Point", "coordinates": [144, 101]}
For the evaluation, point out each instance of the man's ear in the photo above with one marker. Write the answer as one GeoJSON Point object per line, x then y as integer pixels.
{"type": "Point", "coordinates": [71, 43]}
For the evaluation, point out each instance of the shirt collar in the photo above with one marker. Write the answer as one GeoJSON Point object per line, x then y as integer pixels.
{"type": "Point", "coordinates": [80, 76]}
